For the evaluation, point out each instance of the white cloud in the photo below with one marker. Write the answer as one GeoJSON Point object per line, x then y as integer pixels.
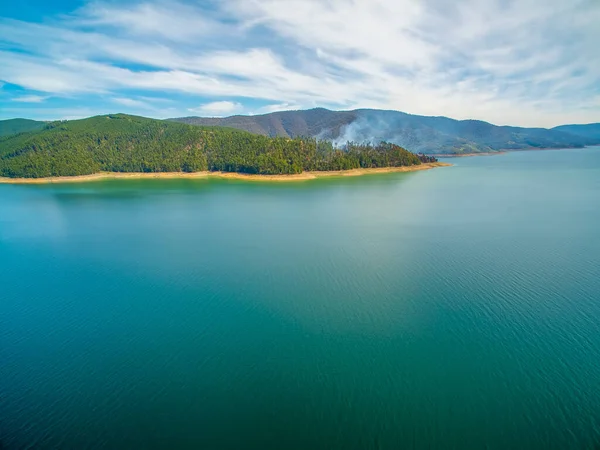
{"type": "Point", "coordinates": [218, 109]}
{"type": "Point", "coordinates": [383, 30]}
{"type": "Point", "coordinates": [30, 99]}
{"type": "Point", "coordinates": [171, 20]}
{"type": "Point", "coordinates": [131, 102]}
{"type": "Point", "coordinates": [521, 62]}
{"type": "Point", "coordinates": [276, 107]}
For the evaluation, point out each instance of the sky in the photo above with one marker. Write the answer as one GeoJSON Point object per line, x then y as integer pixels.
{"type": "Point", "coordinates": [509, 62]}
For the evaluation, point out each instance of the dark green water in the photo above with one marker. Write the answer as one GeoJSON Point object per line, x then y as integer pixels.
{"type": "Point", "coordinates": [453, 308]}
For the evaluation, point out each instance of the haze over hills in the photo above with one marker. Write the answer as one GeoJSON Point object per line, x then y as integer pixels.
{"type": "Point", "coordinates": [417, 133]}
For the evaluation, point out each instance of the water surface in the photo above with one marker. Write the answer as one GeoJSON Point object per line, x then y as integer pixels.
{"type": "Point", "coordinates": [452, 308]}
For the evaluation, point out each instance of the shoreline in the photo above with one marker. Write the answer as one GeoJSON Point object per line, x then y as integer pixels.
{"type": "Point", "coordinates": [464, 155]}
{"type": "Point", "coordinates": [227, 175]}
{"type": "Point", "coordinates": [505, 151]}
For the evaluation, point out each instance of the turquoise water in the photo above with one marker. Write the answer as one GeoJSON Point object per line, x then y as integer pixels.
{"type": "Point", "coordinates": [452, 308]}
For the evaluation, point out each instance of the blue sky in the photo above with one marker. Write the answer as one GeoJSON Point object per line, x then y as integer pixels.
{"type": "Point", "coordinates": [525, 62]}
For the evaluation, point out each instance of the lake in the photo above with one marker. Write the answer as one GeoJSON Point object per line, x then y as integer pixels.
{"type": "Point", "coordinates": [452, 308]}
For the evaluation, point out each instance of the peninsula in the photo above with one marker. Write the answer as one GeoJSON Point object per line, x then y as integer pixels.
{"type": "Point", "coordinates": [123, 146]}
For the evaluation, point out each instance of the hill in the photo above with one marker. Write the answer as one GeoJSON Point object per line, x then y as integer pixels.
{"type": "Point", "coordinates": [284, 124]}
{"type": "Point", "coordinates": [123, 143]}
{"type": "Point", "coordinates": [590, 131]}
{"type": "Point", "coordinates": [15, 126]}
{"type": "Point", "coordinates": [417, 133]}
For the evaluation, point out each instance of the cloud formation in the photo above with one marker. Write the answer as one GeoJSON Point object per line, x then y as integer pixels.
{"type": "Point", "coordinates": [521, 62]}
{"type": "Point", "coordinates": [30, 99]}
{"type": "Point", "coordinates": [217, 109]}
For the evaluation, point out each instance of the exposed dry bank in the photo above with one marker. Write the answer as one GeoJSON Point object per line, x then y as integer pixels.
{"type": "Point", "coordinates": [232, 175]}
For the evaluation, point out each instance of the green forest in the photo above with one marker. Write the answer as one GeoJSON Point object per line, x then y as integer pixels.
{"type": "Point", "coordinates": [14, 126]}
{"type": "Point", "coordinates": [123, 143]}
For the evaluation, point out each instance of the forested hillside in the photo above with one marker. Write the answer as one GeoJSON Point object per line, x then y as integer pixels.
{"type": "Point", "coordinates": [303, 123]}
{"type": "Point", "coordinates": [418, 133]}
{"type": "Point", "coordinates": [15, 126]}
{"type": "Point", "coordinates": [122, 143]}
{"type": "Point", "coordinates": [590, 131]}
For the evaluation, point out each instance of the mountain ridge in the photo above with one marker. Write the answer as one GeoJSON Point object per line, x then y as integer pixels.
{"type": "Point", "coordinates": [590, 130]}
{"type": "Point", "coordinates": [425, 134]}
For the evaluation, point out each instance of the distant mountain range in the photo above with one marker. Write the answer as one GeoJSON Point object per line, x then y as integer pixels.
{"type": "Point", "coordinates": [424, 134]}
{"type": "Point", "coordinates": [421, 134]}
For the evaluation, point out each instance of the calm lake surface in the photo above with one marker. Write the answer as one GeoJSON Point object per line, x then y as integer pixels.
{"type": "Point", "coordinates": [452, 308]}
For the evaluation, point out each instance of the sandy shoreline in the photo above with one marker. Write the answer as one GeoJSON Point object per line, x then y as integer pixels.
{"type": "Point", "coordinates": [230, 175]}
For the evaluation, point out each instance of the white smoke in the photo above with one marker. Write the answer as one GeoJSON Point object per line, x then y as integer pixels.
{"type": "Point", "coordinates": [370, 128]}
